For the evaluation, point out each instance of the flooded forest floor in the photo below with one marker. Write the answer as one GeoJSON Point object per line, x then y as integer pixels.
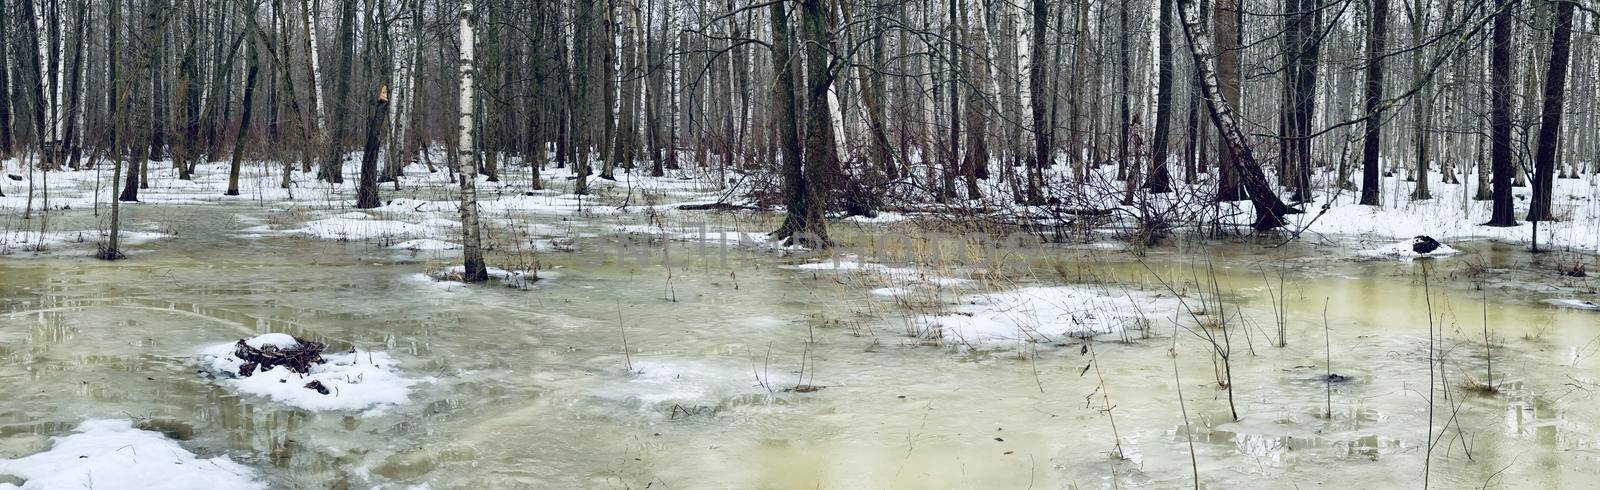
{"type": "Point", "coordinates": [628, 343]}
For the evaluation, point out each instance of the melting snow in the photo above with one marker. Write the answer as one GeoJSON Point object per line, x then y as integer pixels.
{"type": "Point", "coordinates": [359, 381]}
{"type": "Point", "coordinates": [113, 454]}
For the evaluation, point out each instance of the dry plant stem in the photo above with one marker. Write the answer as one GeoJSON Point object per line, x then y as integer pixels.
{"type": "Point", "coordinates": [1455, 404]}
{"type": "Point", "coordinates": [1488, 349]}
{"type": "Point", "coordinates": [1105, 397]}
{"type": "Point", "coordinates": [1188, 430]}
{"type": "Point", "coordinates": [1427, 293]}
{"type": "Point", "coordinates": [1219, 349]}
{"type": "Point", "coordinates": [1327, 362]}
{"type": "Point", "coordinates": [627, 356]}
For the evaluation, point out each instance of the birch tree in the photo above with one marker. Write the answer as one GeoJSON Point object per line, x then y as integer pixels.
{"type": "Point", "coordinates": [472, 243]}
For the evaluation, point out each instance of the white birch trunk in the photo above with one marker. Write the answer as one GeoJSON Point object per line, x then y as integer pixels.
{"type": "Point", "coordinates": [309, 8]}
{"type": "Point", "coordinates": [403, 63]}
{"type": "Point", "coordinates": [42, 43]}
{"type": "Point", "coordinates": [471, 239]}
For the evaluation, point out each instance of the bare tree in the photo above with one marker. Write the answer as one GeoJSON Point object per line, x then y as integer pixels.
{"type": "Point", "coordinates": [1550, 117]}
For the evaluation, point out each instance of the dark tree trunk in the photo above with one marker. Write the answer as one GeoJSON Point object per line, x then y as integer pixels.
{"type": "Point", "coordinates": [805, 225]}
{"type": "Point", "coordinates": [377, 84]}
{"type": "Point", "coordinates": [5, 76]}
{"type": "Point", "coordinates": [1500, 116]}
{"type": "Point", "coordinates": [333, 163]}
{"type": "Point", "coordinates": [36, 83]}
{"type": "Point", "coordinates": [1160, 178]}
{"type": "Point", "coordinates": [158, 88]}
{"type": "Point", "coordinates": [975, 163]}
{"type": "Point", "coordinates": [783, 95]}
{"type": "Point", "coordinates": [1038, 82]}
{"type": "Point", "coordinates": [244, 115]}
{"type": "Point", "coordinates": [1550, 126]}
{"type": "Point", "coordinates": [1370, 173]}
{"type": "Point", "coordinates": [1304, 47]}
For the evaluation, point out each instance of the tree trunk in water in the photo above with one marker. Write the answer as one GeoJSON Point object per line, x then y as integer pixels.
{"type": "Point", "coordinates": [1269, 209]}
{"type": "Point", "coordinates": [783, 94]}
{"type": "Point", "coordinates": [472, 241]}
{"type": "Point", "coordinates": [806, 225]}
{"type": "Point", "coordinates": [1500, 116]}
{"type": "Point", "coordinates": [117, 116]}
{"type": "Point", "coordinates": [1550, 125]}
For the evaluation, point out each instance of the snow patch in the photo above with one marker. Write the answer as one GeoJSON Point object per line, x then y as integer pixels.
{"type": "Point", "coordinates": [369, 382]}
{"type": "Point", "coordinates": [1038, 314]}
{"type": "Point", "coordinates": [1402, 250]}
{"type": "Point", "coordinates": [113, 454]}
{"type": "Point", "coordinates": [362, 229]}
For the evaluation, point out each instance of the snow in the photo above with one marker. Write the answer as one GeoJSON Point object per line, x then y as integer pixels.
{"type": "Point", "coordinates": [1453, 216]}
{"type": "Point", "coordinates": [113, 454]}
{"type": "Point", "coordinates": [1403, 250]}
{"type": "Point", "coordinates": [362, 381]}
{"type": "Point", "coordinates": [279, 340]}
{"type": "Point", "coordinates": [12, 241]}
{"type": "Point", "coordinates": [689, 383]}
{"type": "Point", "coordinates": [1039, 314]}
{"type": "Point", "coordinates": [346, 229]}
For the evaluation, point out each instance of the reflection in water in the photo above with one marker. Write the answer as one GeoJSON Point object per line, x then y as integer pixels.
{"type": "Point", "coordinates": [535, 389]}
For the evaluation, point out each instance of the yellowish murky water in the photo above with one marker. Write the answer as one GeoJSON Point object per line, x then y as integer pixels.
{"type": "Point", "coordinates": [533, 387]}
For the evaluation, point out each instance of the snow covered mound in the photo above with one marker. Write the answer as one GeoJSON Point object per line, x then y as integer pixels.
{"type": "Point", "coordinates": [1407, 250]}
{"type": "Point", "coordinates": [1040, 314]}
{"type": "Point", "coordinates": [113, 454]}
{"type": "Point", "coordinates": [358, 381]}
